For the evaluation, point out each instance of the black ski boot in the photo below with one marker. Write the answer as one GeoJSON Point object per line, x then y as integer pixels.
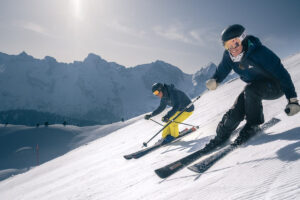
{"type": "Point", "coordinates": [246, 133]}
{"type": "Point", "coordinates": [228, 124]}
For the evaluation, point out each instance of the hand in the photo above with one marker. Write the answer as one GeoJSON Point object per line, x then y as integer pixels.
{"type": "Point", "coordinates": [147, 117]}
{"type": "Point", "coordinates": [293, 107]}
{"type": "Point", "coordinates": [165, 119]}
{"type": "Point", "coordinates": [211, 84]}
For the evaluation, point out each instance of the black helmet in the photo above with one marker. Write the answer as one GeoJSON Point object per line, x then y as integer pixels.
{"type": "Point", "coordinates": [157, 86]}
{"type": "Point", "coordinates": [232, 31]}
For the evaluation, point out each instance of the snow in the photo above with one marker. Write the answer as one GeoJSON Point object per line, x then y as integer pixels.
{"type": "Point", "coordinates": [267, 167]}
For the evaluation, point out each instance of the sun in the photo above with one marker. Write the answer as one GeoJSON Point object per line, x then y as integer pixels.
{"type": "Point", "coordinates": [76, 6]}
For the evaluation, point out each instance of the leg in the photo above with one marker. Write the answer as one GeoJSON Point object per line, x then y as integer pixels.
{"type": "Point", "coordinates": [229, 122]}
{"type": "Point", "coordinates": [254, 93]}
{"type": "Point", "coordinates": [174, 129]}
{"type": "Point", "coordinates": [171, 128]}
{"type": "Point", "coordinates": [166, 132]}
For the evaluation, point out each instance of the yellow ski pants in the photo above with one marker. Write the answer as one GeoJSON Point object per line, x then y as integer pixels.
{"type": "Point", "coordinates": [172, 129]}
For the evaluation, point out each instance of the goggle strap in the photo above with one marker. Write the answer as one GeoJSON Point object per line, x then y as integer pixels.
{"type": "Point", "coordinates": [243, 36]}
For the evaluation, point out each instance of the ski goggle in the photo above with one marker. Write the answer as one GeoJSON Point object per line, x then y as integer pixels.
{"type": "Point", "coordinates": [156, 92]}
{"type": "Point", "coordinates": [232, 44]}
{"type": "Point", "coordinates": [235, 42]}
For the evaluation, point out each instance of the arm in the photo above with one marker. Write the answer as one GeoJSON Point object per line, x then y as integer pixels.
{"type": "Point", "coordinates": [161, 107]}
{"type": "Point", "coordinates": [272, 64]}
{"type": "Point", "coordinates": [223, 69]}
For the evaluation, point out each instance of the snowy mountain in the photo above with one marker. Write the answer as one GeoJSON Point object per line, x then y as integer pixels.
{"type": "Point", "coordinates": [201, 76]}
{"type": "Point", "coordinates": [266, 167]}
{"type": "Point", "coordinates": [92, 90]}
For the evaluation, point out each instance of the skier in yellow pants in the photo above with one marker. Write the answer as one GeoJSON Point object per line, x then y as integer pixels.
{"type": "Point", "coordinates": [171, 96]}
{"type": "Point", "coordinates": [172, 129]}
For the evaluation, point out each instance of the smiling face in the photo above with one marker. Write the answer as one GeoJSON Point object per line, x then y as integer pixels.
{"type": "Point", "coordinates": [236, 51]}
{"type": "Point", "coordinates": [234, 46]}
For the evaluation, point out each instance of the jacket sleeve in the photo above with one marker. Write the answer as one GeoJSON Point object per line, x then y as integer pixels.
{"type": "Point", "coordinates": [175, 99]}
{"type": "Point", "coordinates": [223, 69]}
{"type": "Point", "coordinates": [161, 107]}
{"type": "Point", "coordinates": [272, 64]}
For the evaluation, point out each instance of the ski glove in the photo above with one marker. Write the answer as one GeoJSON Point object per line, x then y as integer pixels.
{"type": "Point", "coordinates": [147, 117]}
{"type": "Point", "coordinates": [293, 107]}
{"type": "Point", "coordinates": [211, 84]}
{"type": "Point", "coordinates": [165, 119]}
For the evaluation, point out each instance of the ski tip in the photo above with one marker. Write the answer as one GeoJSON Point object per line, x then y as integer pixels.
{"type": "Point", "coordinates": [160, 173]}
{"type": "Point", "coordinates": [127, 157]}
{"type": "Point", "coordinates": [164, 172]}
{"type": "Point", "coordinates": [193, 168]}
{"type": "Point", "coordinates": [194, 128]}
{"type": "Point", "coordinates": [275, 120]}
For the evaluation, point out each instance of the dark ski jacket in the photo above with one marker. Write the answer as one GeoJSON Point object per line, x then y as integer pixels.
{"type": "Point", "coordinates": [175, 98]}
{"type": "Point", "coordinates": [258, 63]}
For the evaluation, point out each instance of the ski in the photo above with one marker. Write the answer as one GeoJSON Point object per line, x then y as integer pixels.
{"type": "Point", "coordinates": [173, 167]}
{"type": "Point", "coordinates": [205, 164]}
{"type": "Point", "coordinates": [159, 144]}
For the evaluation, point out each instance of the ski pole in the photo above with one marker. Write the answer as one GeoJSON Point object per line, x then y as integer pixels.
{"type": "Point", "coordinates": [187, 107]}
{"type": "Point", "coordinates": [156, 122]}
{"type": "Point", "coordinates": [175, 122]}
{"type": "Point", "coordinates": [187, 124]}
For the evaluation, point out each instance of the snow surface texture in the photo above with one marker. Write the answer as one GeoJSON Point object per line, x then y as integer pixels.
{"type": "Point", "coordinates": [93, 89]}
{"type": "Point", "coordinates": [23, 147]}
{"type": "Point", "coordinates": [267, 167]}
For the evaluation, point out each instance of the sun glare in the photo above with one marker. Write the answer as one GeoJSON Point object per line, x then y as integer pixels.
{"type": "Point", "coordinates": [77, 8]}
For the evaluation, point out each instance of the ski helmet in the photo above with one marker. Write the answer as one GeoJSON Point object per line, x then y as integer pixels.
{"type": "Point", "coordinates": [233, 31]}
{"type": "Point", "coordinates": [157, 87]}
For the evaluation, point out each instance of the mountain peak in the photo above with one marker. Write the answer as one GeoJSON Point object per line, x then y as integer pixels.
{"type": "Point", "coordinates": [23, 54]}
{"type": "Point", "coordinates": [92, 57]}
{"type": "Point", "coordinates": [50, 59]}
{"type": "Point", "coordinates": [160, 61]}
{"type": "Point", "coordinates": [207, 69]}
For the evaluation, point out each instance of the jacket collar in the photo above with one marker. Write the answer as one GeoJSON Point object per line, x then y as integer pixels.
{"type": "Point", "coordinates": [251, 44]}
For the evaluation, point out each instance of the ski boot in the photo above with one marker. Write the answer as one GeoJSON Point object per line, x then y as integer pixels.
{"type": "Point", "coordinates": [246, 133]}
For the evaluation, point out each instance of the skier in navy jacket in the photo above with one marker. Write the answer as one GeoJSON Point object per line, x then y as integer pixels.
{"type": "Point", "coordinates": [170, 96]}
{"type": "Point", "coordinates": [266, 79]}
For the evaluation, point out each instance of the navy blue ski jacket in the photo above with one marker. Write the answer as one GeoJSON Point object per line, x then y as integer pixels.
{"type": "Point", "coordinates": [175, 98]}
{"type": "Point", "coordinates": [258, 63]}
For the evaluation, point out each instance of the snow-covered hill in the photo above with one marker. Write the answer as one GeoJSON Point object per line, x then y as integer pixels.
{"type": "Point", "coordinates": [267, 167]}
{"type": "Point", "coordinates": [93, 89]}
{"type": "Point", "coordinates": [22, 147]}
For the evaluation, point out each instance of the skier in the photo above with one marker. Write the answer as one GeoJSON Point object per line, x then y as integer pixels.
{"type": "Point", "coordinates": [266, 79]}
{"type": "Point", "coordinates": [171, 96]}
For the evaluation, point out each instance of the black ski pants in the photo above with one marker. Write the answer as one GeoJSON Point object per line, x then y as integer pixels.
{"type": "Point", "coordinates": [248, 106]}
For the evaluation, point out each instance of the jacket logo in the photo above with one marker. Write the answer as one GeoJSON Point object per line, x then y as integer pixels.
{"type": "Point", "coordinates": [241, 67]}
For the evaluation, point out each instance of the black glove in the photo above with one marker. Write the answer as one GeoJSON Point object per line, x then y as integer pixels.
{"type": "Point", "coordinates": [165, 119]}
{"type": "Point", "coordinates": [292, 107]}
{"type": "Point", "coordinates": [147, 117]}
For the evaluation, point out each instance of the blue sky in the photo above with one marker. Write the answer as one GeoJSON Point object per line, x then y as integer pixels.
{"type": "Point", "coordinates": [185, 33]}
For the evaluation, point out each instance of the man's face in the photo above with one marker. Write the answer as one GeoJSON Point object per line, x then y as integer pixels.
{"type": "Point", "coordinates": [234, 46]}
